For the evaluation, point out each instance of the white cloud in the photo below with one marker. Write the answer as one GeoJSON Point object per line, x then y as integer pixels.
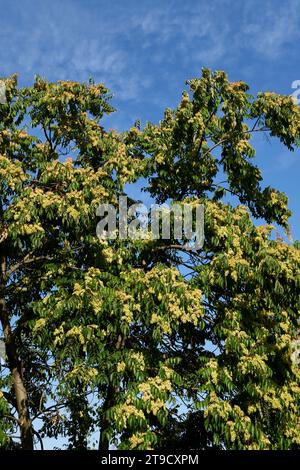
{"type": "Point", "coordinates": [126, 47]}
{"type": "Point", "coordinates": [271, 26]}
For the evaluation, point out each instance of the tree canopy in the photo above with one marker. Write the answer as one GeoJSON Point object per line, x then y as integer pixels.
{"type": "Point", "coordinates": [139, 341]}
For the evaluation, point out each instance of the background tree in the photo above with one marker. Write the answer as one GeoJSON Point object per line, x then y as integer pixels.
{"type": "Point", "coordinates": [148, 344]}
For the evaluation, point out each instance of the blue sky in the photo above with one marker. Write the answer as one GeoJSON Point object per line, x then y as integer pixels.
{"type": "Point", "coordinates": [145, 50]}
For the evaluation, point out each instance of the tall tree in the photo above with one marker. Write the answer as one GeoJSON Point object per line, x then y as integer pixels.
{"type": "Point", "coordinates": [141, 340]}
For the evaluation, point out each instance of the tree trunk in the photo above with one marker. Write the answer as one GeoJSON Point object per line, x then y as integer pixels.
{"type": "Point", "coordinates": [15, 367]}
{"type": "Point", "coordinates": [110, 401]}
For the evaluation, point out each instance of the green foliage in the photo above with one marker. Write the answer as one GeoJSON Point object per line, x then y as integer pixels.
{"type": "Point", "coordinates": [108, 336]}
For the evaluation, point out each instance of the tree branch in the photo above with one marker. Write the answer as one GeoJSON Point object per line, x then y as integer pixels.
{"type": "Point", "coordinates": [27, 260]}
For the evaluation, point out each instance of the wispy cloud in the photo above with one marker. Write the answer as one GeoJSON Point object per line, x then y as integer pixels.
{"type": "Point", "coordinates": [143, 50]}
{"type": "Point", "coordinates": [271, 26]}
{"type": "Point", "coordinates": [130, 46]}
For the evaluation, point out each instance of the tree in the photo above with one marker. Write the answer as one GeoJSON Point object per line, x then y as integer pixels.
{"type": "Point", "coordinates": [115, 335]}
